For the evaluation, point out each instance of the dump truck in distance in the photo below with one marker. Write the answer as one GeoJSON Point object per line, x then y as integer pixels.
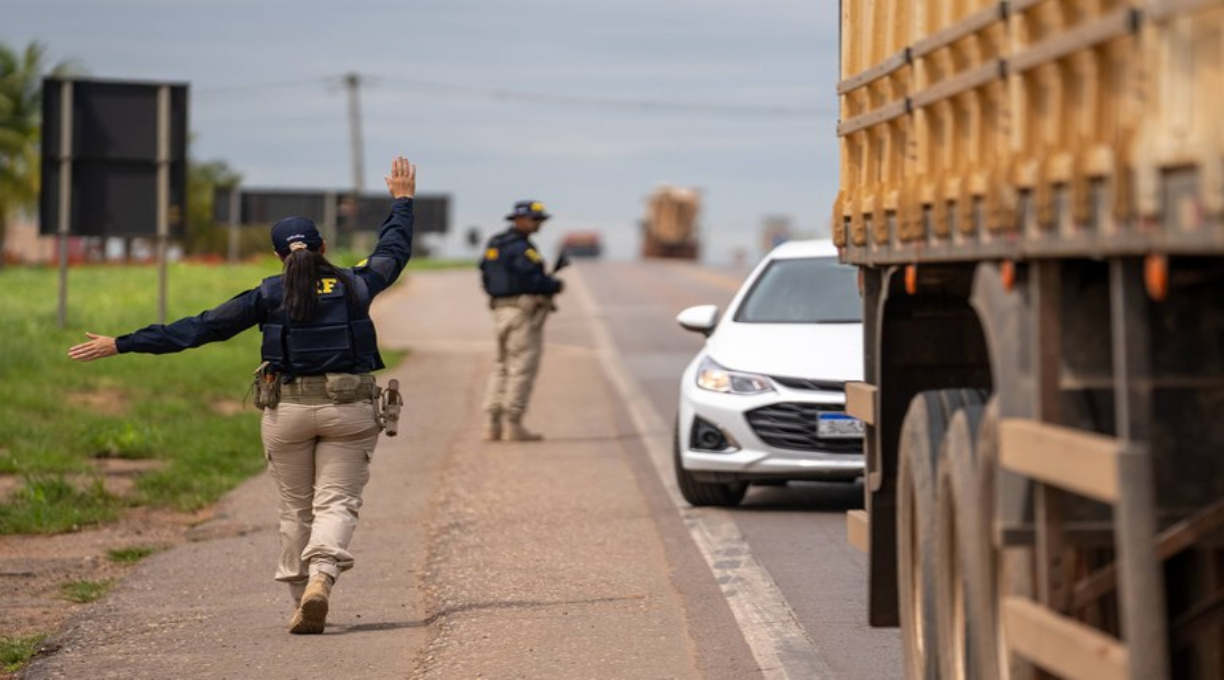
{"type": "Point", "coordinates": [1033, 192]}
{"type": "Point", "coordinates": [670, 227]}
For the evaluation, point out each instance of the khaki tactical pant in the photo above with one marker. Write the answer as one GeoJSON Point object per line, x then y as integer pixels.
{"type": "Point", "coordinates": [319, 456]}
{"type": "Point", "coordinates": [519, 326]}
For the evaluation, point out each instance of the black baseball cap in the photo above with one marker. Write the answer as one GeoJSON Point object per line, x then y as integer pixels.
{"type": "Point", "coordinates": [295, 230]}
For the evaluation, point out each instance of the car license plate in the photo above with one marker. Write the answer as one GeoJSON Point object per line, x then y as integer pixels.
{"type": "Point", "coordinates": [838, 426]}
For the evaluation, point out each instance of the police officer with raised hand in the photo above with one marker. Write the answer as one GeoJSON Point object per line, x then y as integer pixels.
{"type": "Point", "coordinates": [319, 400]}
{"type": "Point", "coordinates": [520, 295]}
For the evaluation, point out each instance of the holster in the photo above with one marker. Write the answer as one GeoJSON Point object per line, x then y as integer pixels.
{"type": "Point", "coordinates": [265, 387]}
{"type": "Point", "coordinates": [389, 408]}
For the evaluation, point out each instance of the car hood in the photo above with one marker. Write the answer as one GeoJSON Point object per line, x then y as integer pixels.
{"type": "Point", "coordinates": [814, 351]}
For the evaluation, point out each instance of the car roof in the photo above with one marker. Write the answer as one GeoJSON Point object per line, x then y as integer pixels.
{"type": "Point", "coordinates": [809, 248]}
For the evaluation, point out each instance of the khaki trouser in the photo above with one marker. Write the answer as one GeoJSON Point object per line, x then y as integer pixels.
{"type": "Point", "coordinates": [519, 325]}
{"type": "Point", "coordinates": [319, 456]}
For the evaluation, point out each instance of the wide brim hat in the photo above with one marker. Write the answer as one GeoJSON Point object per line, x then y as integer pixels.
{"type": "Point", "coordinates": [532, 209]}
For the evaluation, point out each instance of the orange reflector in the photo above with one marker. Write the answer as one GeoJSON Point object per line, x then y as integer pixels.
{"type": "Point", "coordinates": [911, 279]}
{"type": "Point", "coordinates": [1156, 276]}
{"type": "Point", "coordinates": [1007, 272]}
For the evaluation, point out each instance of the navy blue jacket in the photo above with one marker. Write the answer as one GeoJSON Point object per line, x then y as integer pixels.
{"type": "Point", "coordinates": [249, 308]}
{"type": "Point", "coordinates": [512, 266]}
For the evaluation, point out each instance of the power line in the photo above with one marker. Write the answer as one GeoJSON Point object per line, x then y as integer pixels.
{"type": "Point", "coordinates": [515, 95]}
{"type": "Point", "coordinates": [502, 94]}
{"type": "Point", "coordinates": [263, 87]}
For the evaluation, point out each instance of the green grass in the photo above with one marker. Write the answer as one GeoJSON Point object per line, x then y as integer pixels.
{"type": "Point", "coordinates": [83, 592]}
{"type": "Point", "coordinates": [435, 264]}
{"type": "Point", "coordinates": [16, 651]}
{"type": "Point", "coordinates": [60, 415]}
{"type": "Point", "coordinates": [48, 503]}
{"type": "Point", "coordinates": [131, 554]}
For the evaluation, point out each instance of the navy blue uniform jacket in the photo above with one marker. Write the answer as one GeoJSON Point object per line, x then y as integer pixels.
{"type": "Point", "coordinates": [512, 266]}
{"type": "Point", "coordinates": [248, 309]}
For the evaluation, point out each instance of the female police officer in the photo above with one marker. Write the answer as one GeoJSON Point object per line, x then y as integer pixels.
{"type": "Point", "coordinates": [319, 425]}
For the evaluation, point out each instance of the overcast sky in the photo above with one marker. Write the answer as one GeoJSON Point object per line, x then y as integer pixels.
{"type": "Point", "coordinates": [759, 138]}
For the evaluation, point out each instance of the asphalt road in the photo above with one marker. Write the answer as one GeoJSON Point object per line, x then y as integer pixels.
{"type": "Point", "coordinates": [796, 532]}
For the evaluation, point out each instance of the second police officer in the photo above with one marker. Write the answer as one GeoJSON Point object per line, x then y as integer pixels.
{"type": "Point", "coordinates": [520, 296]}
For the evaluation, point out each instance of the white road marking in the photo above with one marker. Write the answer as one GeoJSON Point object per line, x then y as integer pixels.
{"type": "Point", "coordinates": [778, 642]}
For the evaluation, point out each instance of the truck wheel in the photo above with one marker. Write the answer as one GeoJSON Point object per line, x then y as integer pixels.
{"type": "Point", "coordinates": [699, 493]}
{"type": "Point", "coordinates": [922, 434]}
{"type": "Point", "coordinates": [962, 529]}
{"type": "Point", "coordinates": [1003, 571]}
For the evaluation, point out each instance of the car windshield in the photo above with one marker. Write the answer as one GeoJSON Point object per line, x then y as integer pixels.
{"type": "Point", "coordinates": [805, 290]}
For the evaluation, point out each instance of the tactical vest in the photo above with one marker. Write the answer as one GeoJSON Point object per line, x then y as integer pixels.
{"type": "Point", "coordinates": [339, 339]}
{"type": "Point", "coordinates": [495, 273]}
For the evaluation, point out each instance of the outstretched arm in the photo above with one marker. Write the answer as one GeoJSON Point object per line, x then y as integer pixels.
{"type": "Point", "coordinates": [220, 323]}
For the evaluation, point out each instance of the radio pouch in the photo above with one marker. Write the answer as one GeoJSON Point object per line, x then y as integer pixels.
{"type": "Point", "coordinates": [342, 387]}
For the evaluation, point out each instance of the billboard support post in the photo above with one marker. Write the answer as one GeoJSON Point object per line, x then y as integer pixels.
{"type": "Point", "coordinates": [235, 204]}
{"type": "Point", "coordinates": [163, 195]}
{"type": "Point", "coordinates": [65, 201]}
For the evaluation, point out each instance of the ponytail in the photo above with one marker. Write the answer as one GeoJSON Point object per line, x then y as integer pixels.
{"type": "Point", "coordinates": [303, 269]}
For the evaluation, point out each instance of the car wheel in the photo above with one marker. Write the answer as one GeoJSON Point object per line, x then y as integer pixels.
{"type": "Point", "coordinates": [699, 493]}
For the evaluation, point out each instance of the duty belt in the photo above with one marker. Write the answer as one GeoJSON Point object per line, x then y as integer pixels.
{"type": "Point", "coordinates": [313, 389]}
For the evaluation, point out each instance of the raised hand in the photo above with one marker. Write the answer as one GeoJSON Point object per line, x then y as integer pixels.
{"type": "Point", "coordinates": [402, 181]}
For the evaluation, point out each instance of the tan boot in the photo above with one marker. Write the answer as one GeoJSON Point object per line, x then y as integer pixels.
{"type": "Point", "coordinates": [492, 427]}
{"type": "Point", "coordinates": [311, 616]}
{"type": "Point", "coordinates": [515, 432]}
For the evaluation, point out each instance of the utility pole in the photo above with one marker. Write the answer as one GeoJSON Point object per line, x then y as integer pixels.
{"type": "Point", "coordinates": [353, 82]}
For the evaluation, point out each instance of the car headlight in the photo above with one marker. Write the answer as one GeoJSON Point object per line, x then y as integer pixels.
{"type": "Point", "coordinates": [711, 376]}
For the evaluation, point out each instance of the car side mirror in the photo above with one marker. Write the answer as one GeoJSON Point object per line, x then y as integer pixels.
{"type": "Point", "coordinates": [700, 319]}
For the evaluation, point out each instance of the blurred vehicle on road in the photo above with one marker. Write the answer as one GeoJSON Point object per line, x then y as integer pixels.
{"type": "Point", "coordinates": [582, 244]}
{"type": "Point", "coordinates": [763, 401]}
{"type": "Point", "coordinates": [670, 227]}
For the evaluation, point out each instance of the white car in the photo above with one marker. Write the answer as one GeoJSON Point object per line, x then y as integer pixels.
{"type": "Point", "coordinates": [764, 400]}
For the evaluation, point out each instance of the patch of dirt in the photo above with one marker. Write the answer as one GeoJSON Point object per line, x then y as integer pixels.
{"type": "Point", "coordinates": [32, 568]}
{"type": "Point", "coordinates": [231, 407]}
{"type": "Point", "coordinates": [106, 401]}
{"type": "Point", "coordinates": [118, 476]}
{"type": "Point", "coordinates": [8, 485]}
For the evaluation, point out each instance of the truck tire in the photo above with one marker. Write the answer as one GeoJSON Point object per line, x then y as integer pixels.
{"type": "Point", "coordinates": [1002, 571]}
{"type": "Point", "coordinates": [699, 493]}
{"type": "Point", "coordinates": [963, 528]}
{"type": "Point", "coordinates": [922, 434]}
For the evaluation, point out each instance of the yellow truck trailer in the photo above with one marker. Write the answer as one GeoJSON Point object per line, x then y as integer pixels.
{"type": "Point", "coordinates": [1033, 192]}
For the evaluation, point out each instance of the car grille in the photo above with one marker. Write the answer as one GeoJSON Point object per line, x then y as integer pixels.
{"type": "Point", "coordinates": [792, 425]}
{"type": "Point", "coordinates": [814, 385]}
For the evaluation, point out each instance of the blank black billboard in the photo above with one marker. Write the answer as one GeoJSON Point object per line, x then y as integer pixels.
{"type": "Point", "coordinates": [266, 206]}
{"type": "Point", "coordinates": [113, 157]}
{"type": "Point", "coordinates": [431, 213]}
